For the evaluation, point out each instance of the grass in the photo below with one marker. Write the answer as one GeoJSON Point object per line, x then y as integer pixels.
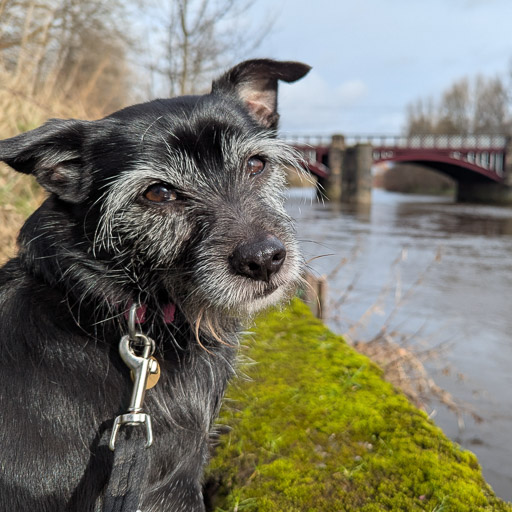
{"type": "Point", "coordinates": [315, 427]}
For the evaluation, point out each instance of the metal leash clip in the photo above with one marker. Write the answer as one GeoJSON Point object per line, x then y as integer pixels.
{"type": "Point", "coordinates": [141, 366]}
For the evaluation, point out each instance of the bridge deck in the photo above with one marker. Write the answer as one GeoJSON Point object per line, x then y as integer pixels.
{"type": "Point", "coordinates": [484, 155]}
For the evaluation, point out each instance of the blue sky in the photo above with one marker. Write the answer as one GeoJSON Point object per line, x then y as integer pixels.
{"type": "Point", "coordinates": [371, 58]}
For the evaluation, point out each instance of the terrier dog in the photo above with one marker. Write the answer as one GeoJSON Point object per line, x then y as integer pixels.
{"type": "Point", "coordinates": [176, 205]}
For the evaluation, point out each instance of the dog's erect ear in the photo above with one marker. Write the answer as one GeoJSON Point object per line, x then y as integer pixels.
{"type": "Point", "coordinates": [53, 154]}
{"type": "Point", "coordinates": [255, 83]}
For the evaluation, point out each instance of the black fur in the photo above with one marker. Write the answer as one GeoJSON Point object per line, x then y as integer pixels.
{"type": "Point", "coordinates": [98, 243]}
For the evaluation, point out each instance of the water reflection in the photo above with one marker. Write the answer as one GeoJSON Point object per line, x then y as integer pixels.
{"type": "Point", "coordinates": [455, 219]}
{"type": "Point", "coordinates": [464, 299]}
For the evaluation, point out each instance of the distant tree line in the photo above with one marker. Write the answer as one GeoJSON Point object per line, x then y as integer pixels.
{"type": "Point", "coordinates": [414, 179]}
{"type": "Point", "coordinates": [77, 47]}
{"type": "Point", "coordinates": [480, 105]}
{"type": "Point", "coordinates": [97, 56]}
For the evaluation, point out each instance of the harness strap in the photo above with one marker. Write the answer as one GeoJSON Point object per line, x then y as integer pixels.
{"type": "Point", "coordinates": [128, 479]}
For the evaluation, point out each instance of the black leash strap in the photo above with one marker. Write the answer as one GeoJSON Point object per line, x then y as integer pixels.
{"type": "Point", "coordinates": [128, 479]}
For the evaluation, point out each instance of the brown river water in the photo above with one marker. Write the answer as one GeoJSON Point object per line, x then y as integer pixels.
{"type": "Point", "coordinates": [457, 261]}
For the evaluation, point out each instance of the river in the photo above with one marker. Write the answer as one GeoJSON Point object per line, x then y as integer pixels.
{"type": "Point", "coordinates": [456, 260]}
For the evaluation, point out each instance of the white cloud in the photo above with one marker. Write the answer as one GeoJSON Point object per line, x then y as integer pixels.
{"type": "Point", "coordinates": [314, 105]}
{"type": "Point", "coordinates": [352, 91]}
{"type": "Point", "coordinates": [371, 58]}
{"type": "Point", "coordinates": [316, 91]}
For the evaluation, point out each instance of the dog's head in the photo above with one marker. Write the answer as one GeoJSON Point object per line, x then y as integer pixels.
{"type": "Point", "coordinates": [180, 197]}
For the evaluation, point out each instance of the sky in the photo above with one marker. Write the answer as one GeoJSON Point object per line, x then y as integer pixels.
{"type": "Point", "coordinates": [371, 58]}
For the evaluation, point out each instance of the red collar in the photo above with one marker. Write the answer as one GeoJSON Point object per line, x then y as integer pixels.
{"type": "Point", "coordinates": [168, 311]}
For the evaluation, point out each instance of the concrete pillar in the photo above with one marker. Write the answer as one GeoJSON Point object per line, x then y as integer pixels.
{"type": "Point", "coordinates": [356, 186]}
{"type": "Point", "coordinates": [489, 192]}
{"type": "Point", "coordinates": [331, 187]}
{"type": "Point", "coordinates": [484, 192]}
{"type": "Point", "coordinates": [508, 163]}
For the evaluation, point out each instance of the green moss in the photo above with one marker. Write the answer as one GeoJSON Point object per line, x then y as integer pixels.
{"type": "Point", "coordinates": [316, 428]}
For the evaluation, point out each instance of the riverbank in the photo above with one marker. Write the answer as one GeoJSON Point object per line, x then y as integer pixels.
{"type": "Point", "coordinates": [461, 305]}
{"type": "Point", "coordinates": [316, 428]}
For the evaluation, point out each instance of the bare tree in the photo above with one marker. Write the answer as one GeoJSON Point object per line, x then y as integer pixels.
{"type": "Point", "coordinates": [202, 36]}
{"type": "Point", "coordinates": [74, 46]}
{"type": "Point", "coordinates": [421, 116]}
{"type": "Point", "coordinates": [455, 110]}
{"type": "Point", "coordinates": [480, 105]}
{"type": "Point", "coordinates": [79, 50]}
{"type": "Point", "coordinates": [491, 106]}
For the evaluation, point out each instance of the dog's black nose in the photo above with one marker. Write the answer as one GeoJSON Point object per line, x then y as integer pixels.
{"type": "Point", "coordinates": [258, 258]}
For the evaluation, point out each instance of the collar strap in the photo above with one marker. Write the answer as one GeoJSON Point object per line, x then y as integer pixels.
{"type": "Point", "coordinates": [168, 313]}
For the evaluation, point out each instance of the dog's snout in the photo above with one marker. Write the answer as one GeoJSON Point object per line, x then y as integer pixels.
{"type": "Point", "coordinates": [258, 258]}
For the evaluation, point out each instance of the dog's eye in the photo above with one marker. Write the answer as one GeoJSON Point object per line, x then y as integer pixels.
{"type": "Point", "coordinates": [255, 165]}
{"type": "Point", "coordinates": [160, 193]}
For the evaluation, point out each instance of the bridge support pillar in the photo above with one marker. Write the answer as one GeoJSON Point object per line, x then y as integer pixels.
{"type": "Point", "coordinates": [490, 193]}
{"type": "Point", "coordinates": [331, 187]}
{"type": "Point", "coordinates": [356, 186]}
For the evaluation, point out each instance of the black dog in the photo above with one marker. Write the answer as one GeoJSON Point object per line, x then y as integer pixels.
{"type": "Point", "coordinates": [176, 205]}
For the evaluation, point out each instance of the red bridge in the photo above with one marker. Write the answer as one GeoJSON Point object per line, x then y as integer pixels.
{"type": "Point", "coordinates": [466, 158]}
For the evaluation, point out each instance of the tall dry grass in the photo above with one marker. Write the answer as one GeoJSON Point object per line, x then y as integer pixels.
{"type": "Point", "coordinates": [25, 106]}
{"type": "Point", "coordinates": [23, 109]}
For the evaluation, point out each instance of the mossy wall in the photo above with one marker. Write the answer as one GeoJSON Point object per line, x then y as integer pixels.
{"type": "Point", "coordinates": [314, 427]}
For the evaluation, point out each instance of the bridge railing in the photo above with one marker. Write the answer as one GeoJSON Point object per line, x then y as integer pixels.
{"type": "Point", "coordinates": [435, 141]}
{"type": "Point", "coordinates": [425, 141]}
{"type": "Point", "coordinates": [307, 140]}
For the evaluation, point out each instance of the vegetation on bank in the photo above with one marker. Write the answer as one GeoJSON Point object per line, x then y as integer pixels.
{"type": "Point", "coordinates": [414, 179]}
{"type": "Point", "coordinates": [314, 427]}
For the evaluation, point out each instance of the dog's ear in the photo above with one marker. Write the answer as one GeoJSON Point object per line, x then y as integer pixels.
{"type": "Point", "coordinates": [255, 83]}
{"type": "Point", "coordinates": [53, 154]}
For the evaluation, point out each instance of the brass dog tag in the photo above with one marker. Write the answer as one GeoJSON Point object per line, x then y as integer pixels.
{"type": "Point", "coordinates": [152, 377]}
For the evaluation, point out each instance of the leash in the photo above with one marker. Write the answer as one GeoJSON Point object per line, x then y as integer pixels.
{"type": "Point", "coordinates": [132, 456]}
{"type": "Point", "coordinates": [128, 478]}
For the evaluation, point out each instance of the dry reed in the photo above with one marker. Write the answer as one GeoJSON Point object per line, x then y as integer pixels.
{"type": "Point", "coordinates": [403, 357]}
{"type": "Point", "coordinates": [28, 97]}
{"type": "Point", "coordinates": [22, 110]}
